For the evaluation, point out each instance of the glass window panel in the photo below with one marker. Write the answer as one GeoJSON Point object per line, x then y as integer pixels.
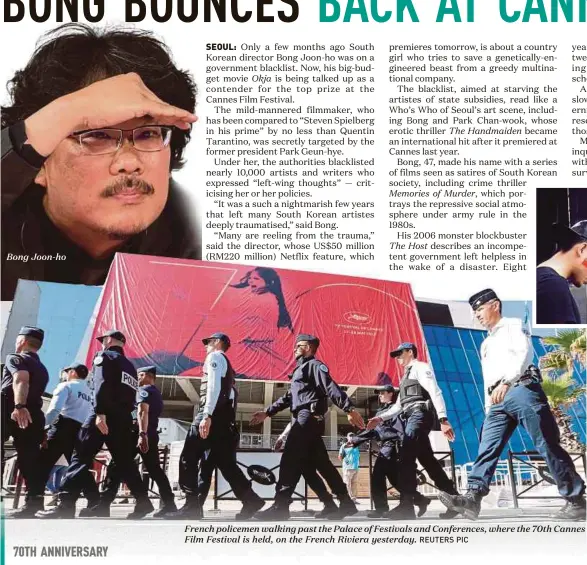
{"type": "Point", "coordinates": [460, 359]}
{"type": "Point", "coordinates": [440, 333]}
{"type": "Point", "coordinates": [447, 395]}
{"type": "Point", "coordinates": [453, 337]}
{"type": "Point", "coordinates": [466, 339]}
{"type": "Point", "coordinates": [435, 359]}
{"type": "Point", "coordinates": [429, 335]}
{"type": "Point", "coordinates": [467, 377]}
{"type": "Point", "coordinates": [447, 359]}
{"type": "Point", "coordinates": [474, 363]}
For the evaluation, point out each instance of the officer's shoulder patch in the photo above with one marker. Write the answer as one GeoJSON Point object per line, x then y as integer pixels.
{"type": "Point", "coordinates": [323, 367]}
{"type": "Point", "coordinates": [98, 360]}
{"type": "Point", "coordinates": [143, 393]}
{"type": "Point", "coordinates": [15, 359]}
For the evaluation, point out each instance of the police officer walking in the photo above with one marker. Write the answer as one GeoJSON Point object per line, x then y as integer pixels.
{"type": "Point", "coordinates": [514, 396]}
{"type": "Point", "coordinates": [24, 379]}
{"type": "Point", "coordinates": [213, 434]}
{"type": "Point", "coordinates": [313, 479]}
{"type": "Point", "coordinates": [149, 409]}
{"type": "Point", "coordinates": [389, 434]}
{"type": "Point", "coordinates": [419, 396]}
{"type": "Point", "coordinates": [70, 407]}
{"type": "Point", "coordinates": [311, 387]}
{"type": "Point", "coordinates": [115, 388]}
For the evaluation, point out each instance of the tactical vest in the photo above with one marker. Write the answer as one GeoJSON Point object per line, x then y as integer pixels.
{"type": "Point", "coordinates": [410, 391]}
{"type": "Point", "coordinates": [227, 383]}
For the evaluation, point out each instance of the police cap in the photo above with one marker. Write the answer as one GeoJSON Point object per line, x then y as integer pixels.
{"type": "Point", "coordinates": [79, 368]}
{"type": "Point", "coordinates": [148, 369]}
{"type": "Point", "coordinates": [311, 339]}
{"type": "Point", "coordinates": [217, 335]}
{"type": "Point", "coordinates": [402, 347]}
{"type": "Point", "coordinates": [114, 334]}
{"type": "Point", "coordinates": [31, 331]}
{"type": "Point", "coordinates": [481, 298]}
{"type": "Point", "coordinates": [386, 388]}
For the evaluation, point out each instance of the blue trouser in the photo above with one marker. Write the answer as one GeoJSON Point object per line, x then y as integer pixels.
{"type": "Point", "coordinates": [305, 452]}
{"type": "Point", "coordinates": [121, 443]}
{"type": "Point", "coordinates": [527, 406]}
{"type": "Point", "coordinates": [416, 446]}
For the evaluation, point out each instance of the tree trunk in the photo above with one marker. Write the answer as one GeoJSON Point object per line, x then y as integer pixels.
{"type": "Point", "coordinates": [569, 439]}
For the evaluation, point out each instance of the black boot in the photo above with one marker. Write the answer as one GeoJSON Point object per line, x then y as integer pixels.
{"type": "Point", "coordinates": [141, 509]}
{"type": "Point", "coordinates": [191, 510]}
{"type": "Point", "coordinates": [98, 510]}
{"type": "Point", "coordinates": [330, 507]}
{"type": "Point", "coordinates": [166, 507]}
{"type": "Point", "coordinates": [572, 510]}
{"type": "Point", "coordinates": [274, 513]}
{"type": "Point", "coordinates": [251, 505]}
{"type": "Point", "coordinates": [468, 504]}
{"type": "Point", "coordinates": [32, 505]}
{"type": "Point", "coordinates": [64, 510]}
{"type": "Point", "coordinates": [346, 508]}
{"type": "Point", "coordinates": [422, 502]}
{"type": "Point", "coordinates": [403, 511]}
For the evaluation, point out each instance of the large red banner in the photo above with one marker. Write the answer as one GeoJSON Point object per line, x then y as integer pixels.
{"type": "Point", "coordinates": [166, 306]}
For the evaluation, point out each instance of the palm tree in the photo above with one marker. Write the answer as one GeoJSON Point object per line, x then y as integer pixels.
{"type": "Point", "coordinates": [559, 386]}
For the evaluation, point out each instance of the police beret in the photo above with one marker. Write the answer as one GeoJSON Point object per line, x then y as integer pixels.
{"type": "Point", "coordinates": [148, 369]}
{"type": "Point", "coordinates": [79, 368]}
{"type": "Point", "coordinates": [402, 347]}
{"type": "Point", "coordinates": [481, 298]}
{"type": "Point", "coordinates": [217, 335]}
{"type": "Point", "coordinates": [31, 331]}
{"type": "Point", "coordinates": [576, 233]}
{"type": "Point", "coordinates": [386, 388]}
{"type": "Point", "coordinates": [309, 338]}
{"type": "Point", "coordinates": [115, 334]}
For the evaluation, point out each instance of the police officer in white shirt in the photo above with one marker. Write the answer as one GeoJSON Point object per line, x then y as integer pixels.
{"type": "Point", "coordinates": [213, 434]}
{"type": "Point", "coordinates": [419, 393]}
{"type": "Point", "coordinates": [70, 406]}
{"type": "Point", "coordinates": [514, 396]}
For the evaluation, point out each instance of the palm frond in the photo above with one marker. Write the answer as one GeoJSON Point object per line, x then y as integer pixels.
{"type": "Point", "coordinates": [562, 391]}
{"type": "Point", "coordinates": [556, 361]}
{"type": "Point", "coordinates": [564, 339]}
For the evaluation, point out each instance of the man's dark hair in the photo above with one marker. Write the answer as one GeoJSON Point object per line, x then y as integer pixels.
{"type": "Point", "coordinates": [74, 56]}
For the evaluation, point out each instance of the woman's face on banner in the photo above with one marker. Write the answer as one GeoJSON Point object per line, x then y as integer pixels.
{"type": "Point", "coordinates": [256, 282]}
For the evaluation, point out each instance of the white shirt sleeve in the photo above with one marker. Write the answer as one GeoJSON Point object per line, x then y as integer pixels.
{"type": "Point", "coordinates": [391, 412]}
{"type": "Point", "coordinates": [516, 353]}
{"type": "Point", "coordinates": [60, 395]}
{"type": "Point", "coordinates": [424, 374]}
{"type": "Point", "coordinates": [285, 433]}
{"type": "Point", "coordinates": [216, 368]}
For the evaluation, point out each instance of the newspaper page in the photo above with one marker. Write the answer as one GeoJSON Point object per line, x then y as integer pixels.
{"type": "Point", "coordinates": [285, 280]}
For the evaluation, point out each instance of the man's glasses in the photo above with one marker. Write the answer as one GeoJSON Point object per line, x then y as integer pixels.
{"type": "Point", "coordinates": [109, 140]}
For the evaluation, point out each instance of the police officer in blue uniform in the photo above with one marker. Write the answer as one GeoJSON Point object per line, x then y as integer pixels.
{"type": "Point", "coordinates": [70, 407]}
{"type": "Point", "coordinates": [311, 387]}
{"type": "Point", "coordinates": [389, 434]}
{"type": "Point", "coordinates": [213, 434]}
{"type": "Point", "coordinates": [24, 379]}
{"type": "Point", "coordinates": [313, 480]}
{"type": "Point", "coordinates": [514, 396]}
{"type": "Point", "coordinates": [149, 409]}
{"type": "Point", "coordinates": [110, 422]}
{"type": "Point", "coordinates": [420, 402]}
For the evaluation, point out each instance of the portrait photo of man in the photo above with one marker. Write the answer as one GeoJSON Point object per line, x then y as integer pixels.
{"type": "Point", "coordinates": [561, 273]}
{"type": "Point", "coordinates": [97, 122]}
